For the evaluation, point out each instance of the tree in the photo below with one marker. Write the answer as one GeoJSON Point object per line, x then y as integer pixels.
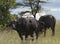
{"type": "Point", "coordinates": [5, 5]}
{"type": "Point", "coordinates": [13, 17]}
{"type": "Point", "coordinates": [33, 4]}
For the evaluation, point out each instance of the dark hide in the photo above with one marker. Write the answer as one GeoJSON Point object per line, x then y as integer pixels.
{"type": "Point", "coordinates": [25, 26]}
{"type": "Point", "coordinates": [45, 22]}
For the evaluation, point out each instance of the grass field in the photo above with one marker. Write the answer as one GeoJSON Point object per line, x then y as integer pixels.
{"type": "Point", "coordinates": [11, 37]}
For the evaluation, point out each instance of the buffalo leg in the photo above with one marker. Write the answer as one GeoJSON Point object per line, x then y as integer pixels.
{"type": "Point", "coordinates": [53, 31]}
{"type": "Point", "coordinates": [44, 32]}
{"type": "Point", "coordinates": [32, 37]}
{"type": "Point", "coordinates": [20, 35]}
{"type": "Point", "coordinates": [26, 36]}
{"type": "Point", "coordinates": [36, 34]}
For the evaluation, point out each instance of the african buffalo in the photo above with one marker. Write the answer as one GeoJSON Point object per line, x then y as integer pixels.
{"type": "Point", "coordinates": [45, 22]}
{"type": "Point", "coordinates": [25, 26]}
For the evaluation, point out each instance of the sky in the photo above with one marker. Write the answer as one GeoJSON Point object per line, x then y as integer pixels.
{"type": "Point", "coordinates": [53, 8]}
